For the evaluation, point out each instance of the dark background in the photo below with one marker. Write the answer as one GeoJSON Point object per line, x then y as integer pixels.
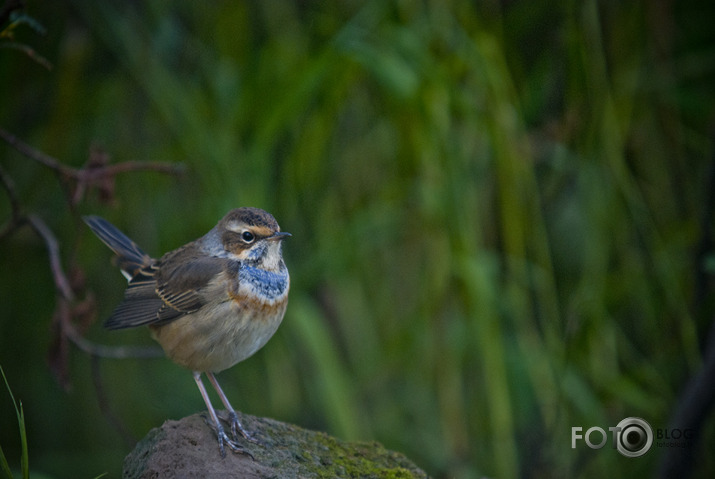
{"type": "Point", "coordinates": [500, 215]}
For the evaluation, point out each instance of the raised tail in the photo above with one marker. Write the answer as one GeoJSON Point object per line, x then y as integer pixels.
{"type": "Point", "coordinates": [130, 257]}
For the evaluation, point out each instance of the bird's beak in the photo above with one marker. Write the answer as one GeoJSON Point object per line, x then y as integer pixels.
{"type": "Point", "coordinates": [279, 235]}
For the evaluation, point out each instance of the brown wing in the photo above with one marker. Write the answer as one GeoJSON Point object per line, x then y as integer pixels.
{"type": "Point", "coordinates": [168, 289]}
{"type": "Point", "coordinates": [141, 303]}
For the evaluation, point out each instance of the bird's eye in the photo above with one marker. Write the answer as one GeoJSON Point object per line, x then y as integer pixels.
{"type": "Point", "coordinates": [248, 237]}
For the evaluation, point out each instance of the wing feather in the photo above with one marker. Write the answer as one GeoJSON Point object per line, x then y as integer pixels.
{"type": "Point", "coordinates": [130, 257]}
{"type": "Point", "coordinates": [169, 289]}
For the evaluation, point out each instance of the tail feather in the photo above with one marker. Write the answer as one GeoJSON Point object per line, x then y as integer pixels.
{"type": "Point", "coordinates": [130, 257]}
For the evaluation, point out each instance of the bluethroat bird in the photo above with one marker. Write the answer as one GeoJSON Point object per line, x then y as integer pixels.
{"type": "Point", "coordinates": [210, 303]}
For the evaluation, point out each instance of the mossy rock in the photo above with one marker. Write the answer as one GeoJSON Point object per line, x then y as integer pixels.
{"type": "Point", "coordinates": [188, 448]}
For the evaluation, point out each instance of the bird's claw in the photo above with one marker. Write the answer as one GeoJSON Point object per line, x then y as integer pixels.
{"type": "Point", "coordinates": [237, 427]}
{"type": "Point", "coordinates": [234, 446]}
{"type": "Point", "coordinates": [224, 439]}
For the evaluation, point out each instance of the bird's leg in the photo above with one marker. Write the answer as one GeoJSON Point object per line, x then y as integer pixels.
{"type": "Point", "coordinates": [220, 433]}
{"type": "Point", "coordinates": [236, 425]}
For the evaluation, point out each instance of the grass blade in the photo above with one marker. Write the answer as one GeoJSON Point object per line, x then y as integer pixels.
{"type": "Point", "coordinates": [4, 466]}
{"type": "Point", "coordinates": [25, 460]}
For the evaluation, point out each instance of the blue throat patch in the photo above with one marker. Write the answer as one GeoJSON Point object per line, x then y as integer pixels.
{"type": "Point", "coordinates": [271, 285]}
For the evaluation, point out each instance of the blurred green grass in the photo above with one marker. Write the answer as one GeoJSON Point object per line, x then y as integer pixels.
{"type": "Point", "coordinates": [495, 210]}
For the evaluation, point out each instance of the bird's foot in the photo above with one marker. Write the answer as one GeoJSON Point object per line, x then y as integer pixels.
{"type": "Point", "coordinates": [237, 427]}
{"type": "Point", "coordinates": [223, 439]}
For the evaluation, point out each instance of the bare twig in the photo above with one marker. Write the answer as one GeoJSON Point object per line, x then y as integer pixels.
{"type": "Point", "coordinates": [63, 287]}
{"type": "Point", "coordinates": [74, 305]}
{"type": "Point", "coordinates": [29, 51]}
{"type": "Point", "coordinates": [58, 354]}
{"type": "Point", "coordinates": [35, 154]}
{"type": "Point", "coordinates": [111, 352]}
{"type": "Point", "coordinates": [16, 219]}
{"type": "Point", "coordinates": [53, 250]}
{"type": "Point", "coordinates": [96, 173]}
{"type": "Point", "coordinates": [9, 186]}
{"type": "Point", "coordinates": [67, 306]}
{"type": "Point", "coordinates": [91, 173]}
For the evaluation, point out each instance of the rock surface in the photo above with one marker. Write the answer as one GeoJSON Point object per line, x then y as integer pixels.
{"type": "Point", "coordinates": [188, 449]}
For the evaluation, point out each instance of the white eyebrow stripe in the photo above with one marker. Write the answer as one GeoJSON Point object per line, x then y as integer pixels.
{"type": "Point", "coordinates": [236, 227]}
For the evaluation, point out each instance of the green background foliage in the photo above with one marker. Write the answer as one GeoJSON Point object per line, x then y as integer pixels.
{"type": "Point", "coordinates": [495, 211]}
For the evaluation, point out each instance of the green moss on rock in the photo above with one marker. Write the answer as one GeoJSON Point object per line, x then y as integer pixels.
{"type": "Point", "coordinates": [188, 448]}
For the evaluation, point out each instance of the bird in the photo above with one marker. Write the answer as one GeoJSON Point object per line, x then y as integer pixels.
{"type": "Point", "coordinates": [210, 303]}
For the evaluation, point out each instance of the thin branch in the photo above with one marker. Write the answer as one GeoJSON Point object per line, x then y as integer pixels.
{"type": "Point", "coordinates": [9, 187]}
{"type": "Point", "coordinates": [95, 173]}
{"type": "Point", "coordinates": [63, 287]}
{"type": "Point", "coordinates": [16, 219]}
{"type": "Point", "coordinates": [35, 154]}
{"type": "Point", "coordinates": [110, 352]}
{"type": "Point", "coordinates": [53, 250]}
{"type": "Point", "coordinates": [30, 52]}
{"type": "Point", "coordinates": [71, 314]}
{"type": "Point", "coordinates": [91, 173]}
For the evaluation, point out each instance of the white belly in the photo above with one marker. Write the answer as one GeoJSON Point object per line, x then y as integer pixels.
{"type": "Point", "coordinates": [217, 337]}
